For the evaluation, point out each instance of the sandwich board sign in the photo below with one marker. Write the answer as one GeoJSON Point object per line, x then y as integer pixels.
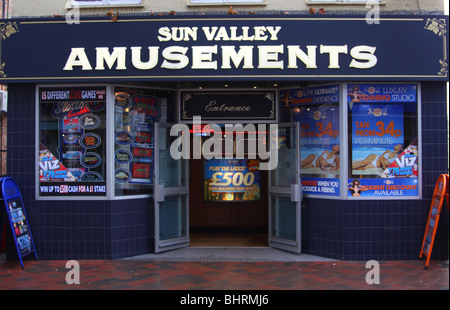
{"type": "Point", "coordinates": [16, 215]}
{"type": "Point", "coordinates": [440, 193]}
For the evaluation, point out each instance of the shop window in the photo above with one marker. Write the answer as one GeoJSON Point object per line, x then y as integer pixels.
{"type": "Point", "coordinates": [382, 140]}
{"type": "Point", "coordinates": [225, 1]}
{"type": "Point", "coordinates": [72, 141]}
{"type": "Point", "coordinates": [104, 2]}
{"type": "Point", "coordinates": [340, 1]}
{"type": "Point", "coordinates": [135, 112]}
{"type": "Point", "coordinates": [317, 110]}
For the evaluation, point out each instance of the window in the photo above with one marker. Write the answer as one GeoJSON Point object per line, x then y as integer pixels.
{"type": "Point", "coordinates": [104, 2]}
{"type": "Point", "coordinates": [383, 140]}
{"type": "Point", "coordinates": [135, 112]}
{"type": "Point", "coordinates": [341, 1]}
{"type": "Point", "coordinates": [225, 1]}
{"type": "Point", "coordinates": [317, 110]}
{"type": "Point", "coordinates": [72, 141]}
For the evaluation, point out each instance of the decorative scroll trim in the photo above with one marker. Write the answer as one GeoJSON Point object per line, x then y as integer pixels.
{"type": "Point", "coordinates": [7, 30]}
{"type": "Point", "coordinates": [444, 68]}
{"type": "Point", "coordinates": [437, 26]}
{"type": "Point", "coordinates": [2, 70]}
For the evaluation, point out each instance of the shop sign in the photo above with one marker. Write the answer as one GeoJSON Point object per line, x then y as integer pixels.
{"type": "Point", "coordinates": [176, 48]}
{"type": "Point", "coordinates": [215, 106]}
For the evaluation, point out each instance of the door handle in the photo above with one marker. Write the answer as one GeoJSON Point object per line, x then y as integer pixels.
{"type": "Point", "coordinates": [295, 192]}
{"type": "Point", "coordinates": [160, 193]}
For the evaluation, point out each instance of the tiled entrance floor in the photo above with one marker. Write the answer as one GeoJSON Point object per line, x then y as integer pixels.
{"type": "Point", "coordinates": [229, 254]}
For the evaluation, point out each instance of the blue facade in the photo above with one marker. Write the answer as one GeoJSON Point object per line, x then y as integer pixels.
{"type": "Point", "coordinates": [346, 229]}
{"type": "Point", "coordinates": [340, 229]}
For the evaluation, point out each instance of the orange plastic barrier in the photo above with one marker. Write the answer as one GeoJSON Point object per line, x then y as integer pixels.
{"type": "Point", "coordinates": [440, 193]}
{"type": "Point", "coordinates": [446, 192]}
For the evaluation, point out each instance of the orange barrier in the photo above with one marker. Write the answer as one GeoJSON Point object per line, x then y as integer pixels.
{"type": "Point", "coordinates": [446, 192]}
{"type": "Point", "coordinates": [440, 193]}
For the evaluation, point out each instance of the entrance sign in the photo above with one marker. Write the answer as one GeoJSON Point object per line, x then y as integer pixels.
{"type": "Point", "coordinates": [440, 193]}
{"type": "Point", "coordinates": [17, 217]}
{"type": "Point", "coordinates": [250, 48]}
{"type": "Point", "coordinates": [213, 106]}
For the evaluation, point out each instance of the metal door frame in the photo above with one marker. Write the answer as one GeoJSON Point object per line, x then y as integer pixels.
{"type": "Point", "coordinates": [294, 192]}
{"type": "Point", "coordinates": [161, 192]}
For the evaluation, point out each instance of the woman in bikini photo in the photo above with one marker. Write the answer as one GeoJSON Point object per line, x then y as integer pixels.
{"type": "Point", "coordinates": [375, 161]}
{"type": "Point", "coordinates": [327, 161]}
{"type": "Point", "coordinates": [355, 188]}
{"type": "Point", "coordinates": [354, 94]}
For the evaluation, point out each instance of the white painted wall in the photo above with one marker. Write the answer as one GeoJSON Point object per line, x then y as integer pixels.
{"type": "Point", "coordinates": [21, 8]}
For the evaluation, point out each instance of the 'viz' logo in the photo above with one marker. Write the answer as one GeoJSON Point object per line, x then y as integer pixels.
{"type": "Point", "coordinates": [49, 165]}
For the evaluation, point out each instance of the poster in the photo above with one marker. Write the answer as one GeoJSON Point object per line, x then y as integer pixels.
{"type": "Point", "coordinates": [317, 110]}
{"type": "Point", "coordinates": [377, 137]}
{"type": "Point", "coordinates": [72, 145]}
{"type": "Point", "coordinates": [20, 226]}
{"type": "Point", "coordinates": [384, 150]}
{"type": "Point", "coordinates": [232, 180]}
{"type": "Point", "coordinates": [135, 114]}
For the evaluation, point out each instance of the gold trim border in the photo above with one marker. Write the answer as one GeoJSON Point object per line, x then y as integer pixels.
{"type": "Point", "coordinates": [224, 19]}
{"type": "Point", "coordinates": [222, 76]}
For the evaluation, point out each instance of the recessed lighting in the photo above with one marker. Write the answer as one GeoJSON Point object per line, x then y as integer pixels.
{"type": "Point", "coordinates": [275, 85]}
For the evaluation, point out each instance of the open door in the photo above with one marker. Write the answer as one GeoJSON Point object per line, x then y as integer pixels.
{"type": "Point", "coordinates": [285, 192]}
{"type": "Point", "coordinates": [171, 195]}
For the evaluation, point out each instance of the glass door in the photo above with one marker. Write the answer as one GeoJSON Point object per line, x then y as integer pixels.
{"type": "Point", "coordinates": [171, 195]}
{"type": "Point", "coordinates": [285, 192]}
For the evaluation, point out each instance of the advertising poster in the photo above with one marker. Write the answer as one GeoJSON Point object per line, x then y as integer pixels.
{"type": "Point", "coordinates": [317, 110]}
{"type": "Point", "coordinates": [232, 180]}
{"type": "Point", "coordinates": [72, 141]}
{"type": "Point", "coordinates": [377, 133]}
{"type": "Point", "coordinates": [134, 137]}
{"type": "Point", "coordinates": [19, 222]}
{"type": "Point", "coordinates": [384, 149]}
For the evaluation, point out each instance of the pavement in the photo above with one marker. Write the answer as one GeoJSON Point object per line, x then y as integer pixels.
{"type": "Point", "coordinates": [219, 270]}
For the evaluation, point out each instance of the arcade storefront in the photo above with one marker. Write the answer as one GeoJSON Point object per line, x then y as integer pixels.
{"type": "Point", "coordinates": [323, 135]}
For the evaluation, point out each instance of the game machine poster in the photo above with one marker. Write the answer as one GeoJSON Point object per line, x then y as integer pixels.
{"type": "Point", "coordinates": [72, 146]}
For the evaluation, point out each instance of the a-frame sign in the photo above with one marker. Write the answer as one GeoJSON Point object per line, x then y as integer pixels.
{"type": "Point", "coordinates": [440, 193]}
{"type": "Point", "coordinates": [18, 220]}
